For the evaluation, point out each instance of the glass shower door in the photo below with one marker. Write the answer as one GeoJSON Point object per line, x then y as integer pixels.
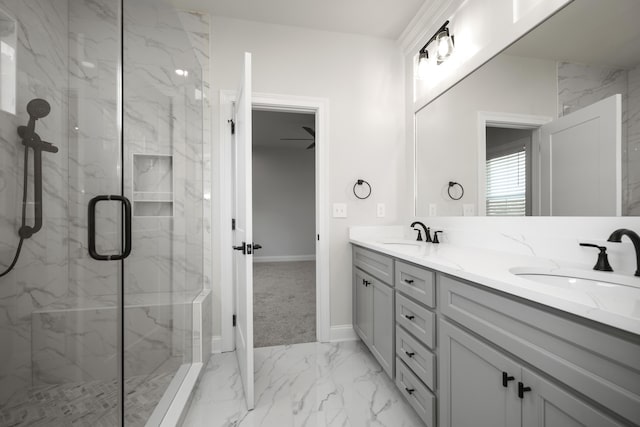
{"type": "Point", "coordinates": [60, 314]}
{"type": "Point", "coordinates": [162, 151]}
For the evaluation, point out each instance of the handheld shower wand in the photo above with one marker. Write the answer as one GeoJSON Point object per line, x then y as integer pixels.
{"type": "Point", "coordinates": [37, 109]}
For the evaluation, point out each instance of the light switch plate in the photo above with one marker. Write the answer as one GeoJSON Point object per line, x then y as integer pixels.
{"type": "Point", "coordinates": [381, 210]}
{"type": "Point", "coordinates": [339, 210]}
{"type": "Point", "coordinates": [433, 209]}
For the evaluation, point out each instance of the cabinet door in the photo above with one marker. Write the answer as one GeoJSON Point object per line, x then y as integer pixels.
{"type": "Point", "coordinates": [548, 405]}
{"type": "Point", "coordinates": [383, 331]}
{"type": "Point", "coordinates": [471, 389]}
{"type": "Point", "coordinates": [363, 306]}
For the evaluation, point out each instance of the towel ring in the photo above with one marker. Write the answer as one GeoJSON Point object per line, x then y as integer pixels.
{"type": "Point", "coordinates": [455, 184]}
{"type": "Point", "coordinates": [361, 182]}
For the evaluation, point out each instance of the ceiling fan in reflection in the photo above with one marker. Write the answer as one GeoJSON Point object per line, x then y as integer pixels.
{"type": "Point", "coordinates": [310, 132]}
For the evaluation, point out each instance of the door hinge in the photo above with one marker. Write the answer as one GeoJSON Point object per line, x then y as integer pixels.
{"type": "Point", "coordinates": [233, 126]}
{"type": "Point", "coordinates": [233, 319]}
{"type": "Point", "coordinates": [318, 237]}
{"type": "Point", "coordinates": [233, 223]}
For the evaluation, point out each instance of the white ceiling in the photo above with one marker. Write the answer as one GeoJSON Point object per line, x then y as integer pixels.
{"type": "Point", "coordinates": [597, 32]}
{"type": "Point", "coordinates": [270, 126]}
{"type": "Point", "coordinates": [379, 18]}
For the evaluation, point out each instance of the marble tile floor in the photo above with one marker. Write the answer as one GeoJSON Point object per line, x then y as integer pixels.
{"type": "Point", "coordinates": [310, 385]}
{"type": "Point", "coordinates": [90, 404]}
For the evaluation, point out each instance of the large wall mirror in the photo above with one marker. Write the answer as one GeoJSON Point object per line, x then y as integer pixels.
{"type": "Point", "coordinates": [550, 126]}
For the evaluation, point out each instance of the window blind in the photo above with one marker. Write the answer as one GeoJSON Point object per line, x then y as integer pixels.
{"type": "Point", "coordinates": [506, 185]}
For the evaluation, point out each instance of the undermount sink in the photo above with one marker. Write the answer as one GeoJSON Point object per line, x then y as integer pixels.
{"type": "Point", "coordinates": [574, 278]}
{"type": "Point", "coordinates": [405, 246]}
{"type": "Point", "coordinates": [606, 291]}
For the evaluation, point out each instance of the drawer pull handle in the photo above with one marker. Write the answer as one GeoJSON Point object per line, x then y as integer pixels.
{"type": "Point", "coordinates": [522, 389]}
{"type": "Point", "coordinates": [409, 281]}
{"type": "Point", "coordinates": [409, 353]}
{"type": "Point", "coordinates": [409, 317]}
{"type": "Point", "coordinates": [506, 378]}
{"type": "Point", "coordinates": [410, 390]}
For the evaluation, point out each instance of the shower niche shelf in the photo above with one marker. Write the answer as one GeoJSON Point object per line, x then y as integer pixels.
{"type": "Point", "coordinates": [152, 185]}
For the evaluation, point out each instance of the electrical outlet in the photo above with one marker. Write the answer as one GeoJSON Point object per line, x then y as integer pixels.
{"type": "Point", "coordinates": [339, 210]}
{"type": "Point", "coordinates": [468, 209]}
{"type": "Point", "coordinates": [433, 209]}
{"type": "Point", "coordinates": [381, 210]}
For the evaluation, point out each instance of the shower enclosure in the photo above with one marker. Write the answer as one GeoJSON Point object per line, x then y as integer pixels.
{"type": "Point", "coordinates": [96, 316]}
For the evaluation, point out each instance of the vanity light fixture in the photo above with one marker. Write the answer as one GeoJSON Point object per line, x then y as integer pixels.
{"type": "Point", "coordinates": [444, 47]}
{"type": "Point", "coordinates": [182, 73]}
{"type": "Point", "coordinates": [423, 64]}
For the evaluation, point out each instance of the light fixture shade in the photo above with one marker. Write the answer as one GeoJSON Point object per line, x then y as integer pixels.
{"type": "Point", "coordinates": [423, 64]}
{"type": "Point", "coordinates": [444, 45]}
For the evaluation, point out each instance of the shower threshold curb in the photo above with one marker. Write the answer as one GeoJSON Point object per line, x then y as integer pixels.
{"type": "Point", "coordinates": [176, 398]}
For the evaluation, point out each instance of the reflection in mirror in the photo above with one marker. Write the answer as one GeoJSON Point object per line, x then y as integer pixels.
{"type": "Point", "coordinates": [551, 126]}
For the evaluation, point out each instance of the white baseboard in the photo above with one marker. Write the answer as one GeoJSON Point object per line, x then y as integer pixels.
{"type": "Point", "coordinates": [285, 258]}
{"type": "Point", "coordinates": [343, 333]}
{"type": "Point", "coordinates": [216, 344]}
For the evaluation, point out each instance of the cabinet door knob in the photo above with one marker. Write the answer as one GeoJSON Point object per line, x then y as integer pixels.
{"type": "Point", "coordinates": [410, 354]}
{"type": "Point", "coordinates": [522, 389]}
{"type": "Point", "coordinates": [409, 317]}
{"type": "Point", "coordinates": [410, 390]}
{"type": "Point", "coordinates": [506, 378]}
{"type": "Point", "coordinates": [409, 281]}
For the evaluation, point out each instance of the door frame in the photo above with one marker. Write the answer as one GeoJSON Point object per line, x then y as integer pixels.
{"type": "Point", "coordinates": [512, 121]}
{"type": "Point", "coordinates": [284, 103]}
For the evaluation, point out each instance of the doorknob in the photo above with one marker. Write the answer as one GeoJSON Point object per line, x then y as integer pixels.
{"type": "Point", "coordinates": [242, 248]}
{"type": "Point", "coordinates": [256, 246]}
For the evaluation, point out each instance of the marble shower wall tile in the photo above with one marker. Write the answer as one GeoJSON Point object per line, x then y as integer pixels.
{"type": "Point", "coordinates": [40, 277]}
{"type": "Point", "coordinates": [581, 85]}
{"type": "Point", "coordinates": [633, 149]}
{"type": "Point", "coordinates": [74, 345]}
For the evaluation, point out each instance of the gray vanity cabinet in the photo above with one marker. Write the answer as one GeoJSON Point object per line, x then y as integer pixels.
{"type": "Point", "coordinates": [523, 341]}
{"type": "Point", "coordinates": [549, 405]}
{"type": "Point", "coordinates": [471, 389]}
{"type": "Point", "coordinates": [363, 307]}
{"type": "Point", "coordinates": [373, 302]}
{"type": "Point", "coordinates": [479, 387]}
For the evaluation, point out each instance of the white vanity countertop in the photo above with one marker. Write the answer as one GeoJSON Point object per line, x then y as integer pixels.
{"type": "Point", "coordinates": [617, 306]}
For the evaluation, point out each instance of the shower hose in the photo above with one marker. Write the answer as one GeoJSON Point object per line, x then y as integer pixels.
{"type": "Point", "coordinates": [24, 212]}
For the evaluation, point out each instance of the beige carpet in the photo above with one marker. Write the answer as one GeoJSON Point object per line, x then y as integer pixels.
{"type": "Point", "coordinates": [284, 303]}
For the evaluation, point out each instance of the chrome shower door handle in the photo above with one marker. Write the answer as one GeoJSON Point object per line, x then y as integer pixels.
{"type": "Point", "coordinates": [126, 204]}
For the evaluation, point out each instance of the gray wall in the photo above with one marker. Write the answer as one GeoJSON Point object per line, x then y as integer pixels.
{"type": "Point", "coordinates": [284, 201]}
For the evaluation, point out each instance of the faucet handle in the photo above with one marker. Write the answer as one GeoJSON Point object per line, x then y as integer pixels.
{"type": "Point", "coordinates": [603, 260]}
{"type": "Point", "coordinates": [435, 236]}
{"type": "Point", "coordinates": [419, 238]}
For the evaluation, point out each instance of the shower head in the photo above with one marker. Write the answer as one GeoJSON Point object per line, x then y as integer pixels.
{"type": "Point", "coordinates": [38, 108]}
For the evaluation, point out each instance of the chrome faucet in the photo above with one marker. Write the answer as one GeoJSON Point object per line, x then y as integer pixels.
{"type": "Point", "coordinates": [616, 236]}
{"type": "Point", "coordinates": [426, 229]}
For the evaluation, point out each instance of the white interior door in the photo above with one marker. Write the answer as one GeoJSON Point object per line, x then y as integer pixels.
{"type": "Point", "coordinates": [580, 161]}
{"type": "Point", "coordinates": [243, 238]}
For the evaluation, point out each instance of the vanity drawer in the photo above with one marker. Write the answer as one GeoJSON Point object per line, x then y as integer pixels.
{"type": "Point", "coordinates": [376, 264]}
{"type": "Point", "coordinates": [416, 356]}
{"type": "Point", "coordinates": [418, 396]}
{"type": "Point", "coordinates": [416, 282]}
{"type": "Point", "coordinates": [416, 319]}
